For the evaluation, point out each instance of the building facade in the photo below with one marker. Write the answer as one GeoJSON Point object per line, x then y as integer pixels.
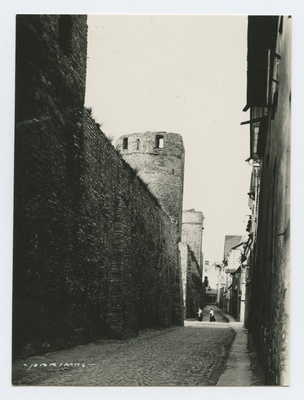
{"type": "Point", "coordinates": [211, 272]}
{"type": "Point", "coordinates": [267, 247]}
{"type": "Point", "coordinates": [234, 292]}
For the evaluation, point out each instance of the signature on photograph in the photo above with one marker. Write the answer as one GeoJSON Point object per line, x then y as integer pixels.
{"type": "Point", "coordinates": [57, 365]}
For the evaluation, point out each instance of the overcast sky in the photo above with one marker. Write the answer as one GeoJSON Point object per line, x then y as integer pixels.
{"type": "Point", "coordinates": [182, 74]}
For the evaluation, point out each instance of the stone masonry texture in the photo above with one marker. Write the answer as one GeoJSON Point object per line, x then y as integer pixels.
{"type": "Point", "coordinates": [95, 255]}
{"type": "Point", "coordinates": [193, 287]}
{"type": "Point", "coordinates": [50, 87]}
{"type": "Point", "coordinates": [136, 242]}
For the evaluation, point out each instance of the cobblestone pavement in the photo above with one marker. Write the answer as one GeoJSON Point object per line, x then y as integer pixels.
{"type": "Point", "coordinates": [194, 355]}
{"type": "Point", "coordinates": [219, 317]}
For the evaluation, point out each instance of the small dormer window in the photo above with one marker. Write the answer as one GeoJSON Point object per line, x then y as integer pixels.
{"type": "Point", "coordinates": [125, 143]}
{"type": "Point", "coordinates": [159, 141]}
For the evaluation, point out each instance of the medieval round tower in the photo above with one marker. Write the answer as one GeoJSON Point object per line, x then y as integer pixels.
{"type": "Point", "coordinates": [158, 158]}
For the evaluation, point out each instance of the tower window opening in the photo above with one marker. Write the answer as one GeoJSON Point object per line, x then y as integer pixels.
{"type": "Point", "coordinates": [125, 143]}
{"type": "Point", "coordinates": [137, 144]}
{"type": "Point", "coordinates": [159, 141]}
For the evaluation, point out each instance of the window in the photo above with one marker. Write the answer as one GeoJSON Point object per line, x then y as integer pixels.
{"type": "Point", "coordinates": [137, 144]}
{"type": "Point", "coordinates": [159, 141]}
{"type": "Point", "coordinates": [125, 143]}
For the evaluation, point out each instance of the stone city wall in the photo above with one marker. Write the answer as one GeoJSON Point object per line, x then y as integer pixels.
{"type": "Point", "coordinates": [94, 253]}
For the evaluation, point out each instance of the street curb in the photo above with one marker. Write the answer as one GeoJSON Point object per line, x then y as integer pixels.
{"type": "Point", "coordinates": [227, 318]}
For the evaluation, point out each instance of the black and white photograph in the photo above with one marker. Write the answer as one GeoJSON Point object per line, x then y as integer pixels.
{"type": "Point", "coordinates": [151, 200]}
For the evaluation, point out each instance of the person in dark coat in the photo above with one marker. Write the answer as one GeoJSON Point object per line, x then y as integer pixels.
{"type": "Point", "coordinates": [211, 314]}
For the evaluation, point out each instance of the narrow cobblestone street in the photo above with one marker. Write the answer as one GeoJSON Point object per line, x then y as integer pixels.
{"type": "Point", "coordinates": [194, 355]}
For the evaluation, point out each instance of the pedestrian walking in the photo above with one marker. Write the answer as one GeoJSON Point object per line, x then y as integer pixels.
{"type": "Point", "coordinates": [211, 314]}
{"type": "Point", "coordinates": [200, 314]}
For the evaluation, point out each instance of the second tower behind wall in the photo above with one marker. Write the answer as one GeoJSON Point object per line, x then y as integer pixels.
{"type": "Point", "coordinates": [158, 157]}
{"type": "Point", "coordinates": [192, 233]}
